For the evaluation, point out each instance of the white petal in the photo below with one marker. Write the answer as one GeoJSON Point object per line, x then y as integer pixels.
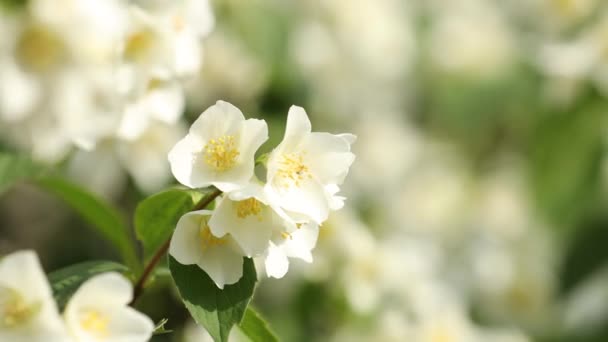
{"type": "Point", "coordinates": [308, 198]}
{"type": "Point", "coordinates": [301, 242]}
{"type": "Point", "coordinates": [128, 325]}
{"type": "Point", "coordinates": [335, 202]}
{"type": "Point", "coordinates": [185, 244]}
{"type": "Point", "coordinates": [187, 166]}
{"type": "Point", "coordinates": [104, 290]}
{"type": "Point", "coordinates": [276, 262]}
{"type": "Point", "coordinates": [298, 126]}
{"type": "Point", "coordinates": [220, 119]}
{"type": "Point", "coordinates": [188, 54]}
{"type": "Point", "coordinates": [21, 272]}
{"type": "Point", "coordinates": [253, 134]}
{"type": "Point", "coordinates": [328, 156]}
{"type": "Point", "coordinates": [254, 189]}
{"type": "Point", "coordinates": [166, 103]}
{"type": "Point", "coordinates": [223, 264]}
{"type": "Point", "coordinates": [251, 233]}
{"type": "Point", "coordinates": [348, 137]}
{"type": "Point", "coordinates": [221, 221]}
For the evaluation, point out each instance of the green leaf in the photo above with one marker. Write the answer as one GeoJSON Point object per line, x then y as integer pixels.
{"type": "Point", "coordinates": [103, 217]}
{"type": "Point", "coordinates": [66, 281]}
{"type": "Point", "coordinates": [255, 328]}
{"type": "Point", "coordinates": [157, 215]}
{"type": "Point", "coordinates": [566, 172]}
{"type": "Point", "coordinates": [217, 310]}
{"type": "Point", "coordinates": [14, 168]}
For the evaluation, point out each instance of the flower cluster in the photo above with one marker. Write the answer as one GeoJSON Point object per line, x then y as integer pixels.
{"type": "Point", "coordinates": [97, 311]}
{"type": "Point", "coordinates": [106, 77]}
{"type": "Point", "coordinates": [276, 219]}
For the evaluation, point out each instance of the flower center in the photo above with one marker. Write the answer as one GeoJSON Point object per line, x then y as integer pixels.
{"type": "Point", "coordinates": [39, 49]}
{"type": "Point", "coordinates": [221, 153]}
{"type": "Point", "coordinates": [248, 207]}
{"type": "Point", "coordinates": [14, 310]}
{"type": "Point", "coordinates": [95, 323]}
{"type": "Point", "coordinates": [207, 239]}
{"type": "Point", "coordinates": [139, 45]}
{"type": "Point", "coordinates": [442, 334]}
{"type": "Point", "coordinates": [292, 168]}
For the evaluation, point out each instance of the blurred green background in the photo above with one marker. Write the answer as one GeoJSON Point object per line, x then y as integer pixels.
{"type": "Point", "coordinates": [477, 205]}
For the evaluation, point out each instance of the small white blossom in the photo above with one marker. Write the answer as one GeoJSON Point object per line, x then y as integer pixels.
{"type": "Point", "coordinates": [248, 218]}
{"type": "Point", "coordinates": [219, 149]}
{"type": "Point", "coordinates": [295, 244]}
{"type": "Point", "coordinates": [99, 311]}
{"type": "Point", "coordinates": [194, 243]}
{"type": "Point", "coordinates": [28, 312]}
{"type": "Point", "coordinates": [305, 170]}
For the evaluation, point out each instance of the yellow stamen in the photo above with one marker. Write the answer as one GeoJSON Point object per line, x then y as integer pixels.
{"type": "Point", "coordinates": [39, 49]}
{"type": "Point", "coordinates": [442, 334]}
{"type": "Point", "coordinates": [95, 323]}
{"type": "Point", "coordinates": [221, 153]}
{"type": "Point", "coordinates": [292, 169]}
{"type": "Point", "coordinates": [138, 45]}
{"type": "Point", "coordinates": [178, 22]}
{"type": "Point", "coordinates": [207, 239]}
{"type": "Point", "coordinates": [14, 310]}
{"type": "Point", "coordinates": [248, 207]}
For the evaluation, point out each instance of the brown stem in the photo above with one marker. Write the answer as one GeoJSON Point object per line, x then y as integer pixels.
{"type": "Point", "coordinates": [141, 282]}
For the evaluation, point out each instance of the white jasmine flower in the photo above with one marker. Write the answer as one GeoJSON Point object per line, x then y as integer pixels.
{"type": "Point", "coordinates": [185, 23]}
{"type": "Point", "coordinates": [28, 312]}
{"type": "Point", "coordinates": [219, 149]}
{"type": "Point", "coordinates": [297, 243]}
{"type": "Point", "coordinates": [194, 243]}
{"type": "Point", "coordinates": [306, 168]}
{"type": "Point", "coordinates": [99, 311]}
{"type": "Point", "coordinates": [248, 218]}
{"type": "Point", "coordinates": [157, 97]}
{"type": "Point", "coordinates": [145, 157]}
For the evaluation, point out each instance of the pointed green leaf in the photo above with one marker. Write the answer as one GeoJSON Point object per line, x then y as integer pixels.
{"type": "Point", "coordinates": [66, 281]}
{"type": "Point", "coordinates": [255, 328]}
{"type": "Point", "coordinates": [103, 217]}
{"type": "Point", "coordinates": [157, 215]}
{"type": "Point", "coordinates": [216, 310]}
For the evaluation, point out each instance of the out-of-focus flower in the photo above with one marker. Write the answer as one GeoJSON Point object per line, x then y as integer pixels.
{"type": "Point", "coordinates": [219, 149]}
{"type": "Point", "coordinates": [145, 156]}
{"type": "Point", "coordinates": [194, 243]}
{"type": "Point", "coordinates": [182, 24]}
{"type": "Point", "coordinates": [28, 312]}
{"type": "Point", "coordinates": [471, 38]}
{"type": "Point", "coordinates": [305, 169]}
{"type": "Point", "coordinates": [99, 311]}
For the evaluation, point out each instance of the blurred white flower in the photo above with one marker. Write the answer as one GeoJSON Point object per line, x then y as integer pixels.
{"type": "Point", "coordinates": [219, 149]}
{"type": "Point", "coordinates": [28, 312]}
{"type": "Point", "coordinates": [194, 243]}
{"type": "Point", "coordinates": [98, 311]}
{"type": "Point", "coordinates": [471, 38]}
{"type": "Point", "coordinates": [145, 156]}
{"type": "Point", "coordinates": [305, 169]}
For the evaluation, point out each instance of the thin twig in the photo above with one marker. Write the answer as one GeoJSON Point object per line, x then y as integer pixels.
{"type": "Point", "coordinates": [141, 282]}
